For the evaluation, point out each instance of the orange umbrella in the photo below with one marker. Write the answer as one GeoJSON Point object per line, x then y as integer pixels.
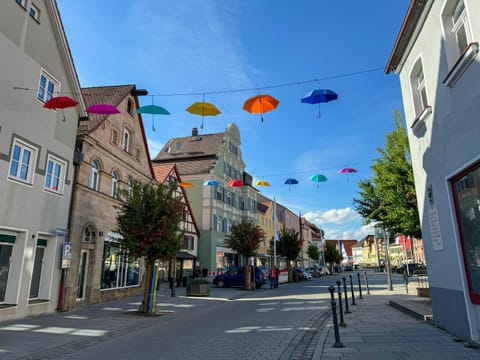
{"type": "Point", "coordinates": [260, 104]}
{"type": "Point", "coordinates": [186, 184]}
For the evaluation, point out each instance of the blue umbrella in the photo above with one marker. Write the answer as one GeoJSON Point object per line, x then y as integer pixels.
{"type": "Point", "coordinates": [210, 183]}
{"type": "Point", "coordinates": [319, 96]}
{"type": "Point", "coordinates": [291, 181]}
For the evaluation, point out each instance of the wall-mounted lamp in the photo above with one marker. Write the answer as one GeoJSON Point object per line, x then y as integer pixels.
{"type": "Point", "coordinates": [430, 194]}
{"type": "Point", "coordinates": [33, 236]}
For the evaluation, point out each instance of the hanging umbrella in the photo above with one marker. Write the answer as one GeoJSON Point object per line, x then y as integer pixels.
{"type": "Point", "coordinates": [319, 96]}
{"type": "Point", "coordinates": [60, 102]}
{"type": "Point", "coordinates": [347, 170]}
{"type": "Point", "coordinates": [262, 183]}
{"type": "Point", "coordinates": [103, 109]}
{"type": "Point", "coordinates": [260, 104]}
{"type": "Point", "coordinates": [153, 110]}
{"type": "Point", "coordinates": [204, 109]}
{"type": "Point", "coordinates": [210, 183]}
{"type": "Point", "coordinates": [186, 184]}
{"type": "Point", "coordinates": [235, 183]}
{"type": "Point", "coordinates": [291, 181]}
{"type": "Point", "coordinates": [318, 178]}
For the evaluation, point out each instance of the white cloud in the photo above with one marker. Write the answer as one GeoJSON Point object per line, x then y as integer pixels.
{"type": "Point", "coordinates": [334, 216]}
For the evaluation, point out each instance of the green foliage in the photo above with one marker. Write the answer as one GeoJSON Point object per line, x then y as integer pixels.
{"type": "Point", "coordinates": [389, 195]}
{"type": "Point", "coordinates": [290, 244]}
{"type": "Point", "coordinates": [149, 220]}
{"type": "Point", "coordinates": [245, 238]}
{"type": "Point", "coordinates": [332, 255]}
{"type": "Point", "coordinates": [313, 252]}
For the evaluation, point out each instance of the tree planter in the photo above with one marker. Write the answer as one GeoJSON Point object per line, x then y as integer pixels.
{"type": "Point", "coordinates": [423, 292]}
{"type": "Point", "coordinates": [198, 288]}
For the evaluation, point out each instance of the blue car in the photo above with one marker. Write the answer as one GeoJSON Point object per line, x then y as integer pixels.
{"type": "Point", "coordinates": [236, 277]}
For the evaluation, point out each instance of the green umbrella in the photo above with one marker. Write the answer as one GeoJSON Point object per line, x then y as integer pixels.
{"type": "Point", "coordinates": [318, 178]}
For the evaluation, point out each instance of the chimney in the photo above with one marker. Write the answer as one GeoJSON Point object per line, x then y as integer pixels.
{"type": "Point", "coordinates": [194, 132]}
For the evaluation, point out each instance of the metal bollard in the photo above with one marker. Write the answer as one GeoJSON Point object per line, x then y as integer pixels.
{"type": "Point", "coordinates": [359, 285]}
{"type": "Point", "coordinates": [340, 306]}
{"type": "Point", "coordinates": [366, 281]}
{"type": "Point", "coordinates": [346, 295]}
{"type": "Point", "coordinates": [353, 294]}
{"type": "Point", "coordinates": [337, 343]}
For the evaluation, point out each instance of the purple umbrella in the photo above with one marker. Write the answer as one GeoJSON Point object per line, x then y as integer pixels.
{"type": "Point", "coordinates": [347, 170]}
{"type": "Point", "coordinates": [102, 109]}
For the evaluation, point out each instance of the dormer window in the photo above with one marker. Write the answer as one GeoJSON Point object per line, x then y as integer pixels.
{"type": "Point", "coordinates": [130, 107]}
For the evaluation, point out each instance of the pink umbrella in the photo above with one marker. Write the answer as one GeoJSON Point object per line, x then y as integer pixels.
{"type": "Point", "coordinates": [102, 109]}
{"type": "Point", "coordinates": [347, 170]}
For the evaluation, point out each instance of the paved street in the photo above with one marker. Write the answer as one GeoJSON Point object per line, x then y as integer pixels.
{"type": "Point", "coordinates": [293, 322]}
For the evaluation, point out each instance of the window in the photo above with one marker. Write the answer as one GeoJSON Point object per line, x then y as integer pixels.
{"type": "Point", "coordinates": [37, 268]}
{"type": "Point", "coordinates": [126, 140]}
{"type": "Point", "coordinates": [130, 107]}
{"type": "Point", "coordinates": [114, 185]}
{"type": "Point", "coordinates": [6, 247]}
{"type": "Point", "coordinates": [22, 162]}
{"type": "Point", "coordinates": [34, 12]}
{"type": "Point", "coordinates": [225, 225]}
{"type": "Point", "coordinates": [93, 180]}
{"type": "Point", "coordinates": [88, 234]}
{"type": "Point", "coordinates": [188, 242]}
{"type": "Point", "coordinates": [419, 90]}
{"type": "Point", "coordinates": [22, 3]}
{"type": "Point", "coordinates": [460, 27]}
{"type": "Point", "coordinates": [47, 87]}
{"type": "Point", "coordinates": [466, 192]}
{"type": "Point", "coordinates": [219, 193]}
{"type": "Point", "coordinates": [219, 223]}
{"type": "Point", "coordinates": [118, 270]}
{"type": "Point", "coordinates": [115, 136]}
{"type": "Point", "coordinates": [129, 186]}
{"type": "Point", "coordinates": [55, 175]}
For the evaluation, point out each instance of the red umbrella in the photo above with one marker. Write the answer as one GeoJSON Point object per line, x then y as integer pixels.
{"type": "Point", "coordinates": [103, 109]}
{"type": "Point", "coordinates": [60, 102]}
{"type": "Point", "coordinates": [235, 183]}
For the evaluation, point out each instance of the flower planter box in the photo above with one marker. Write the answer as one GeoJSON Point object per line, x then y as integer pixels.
{"type": "Point", "coordinates": [423, 292]}
{"type": "Point", "coordinates": [198, 290]}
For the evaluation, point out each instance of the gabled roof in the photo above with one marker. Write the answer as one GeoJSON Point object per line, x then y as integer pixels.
{"type": "Point", "coordinates": [193, 154]}
{"type": "Point", "coordinates": [162, 172]}
{"type": "Point", "coordinates": [113, 95]}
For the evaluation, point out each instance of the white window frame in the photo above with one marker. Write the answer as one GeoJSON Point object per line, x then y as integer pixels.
{"type": "Point", "coordinates": [126, 140]}
{"type": "Point", "coordinates": [93, 179]}
{"type": "Point", "coordinates": [53, 175]}
{"type": "Point", "coordinates": [22, 3]}
{"type": "Point", "coordinates": [88, 234]}
{"type": "Point", "coordinates": [114, 184]}
{"type": "Point", "coordinates": [34, 12]}
{"type": "Point", "coordinates": [421, 89]}
{"type": "Point", "coordinates": [460, 21]}
{"type": "Point", "coordinates": [19, 175]}
{"type": "Point", "coordinates": [49, 89]}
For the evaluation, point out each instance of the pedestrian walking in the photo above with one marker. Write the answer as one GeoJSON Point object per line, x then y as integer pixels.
{"type": "Point", "coordinates": [273, 278]}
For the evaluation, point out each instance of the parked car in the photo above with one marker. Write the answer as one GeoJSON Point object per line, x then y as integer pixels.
{"type": "Point", "coordinates": [236, 277]}
{"type": "Point", "coordinates": [307, 275]}
{"type": "Point", "coordinates": [413, 269]}
{"type": "Point", "coordinates": [298, 274]}
{"type": "Point", "coordinates": [347, 268]}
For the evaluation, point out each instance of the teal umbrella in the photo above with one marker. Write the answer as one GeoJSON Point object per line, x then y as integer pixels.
{"type": "Point", "coordinates": [318, 178]}
{"type": "Point", "coordinates": [152, 109]}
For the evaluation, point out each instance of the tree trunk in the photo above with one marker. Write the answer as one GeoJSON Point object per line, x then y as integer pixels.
{"type": "Point", "coordinates": [246, 271]}
{"type": "Point", "coordinates": [149, 306]}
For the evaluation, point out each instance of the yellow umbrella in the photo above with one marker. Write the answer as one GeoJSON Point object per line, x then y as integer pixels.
{"type": "Point", "coordinates": [204, 109]}
{"type": "Point", "coordinates": [262, 183]}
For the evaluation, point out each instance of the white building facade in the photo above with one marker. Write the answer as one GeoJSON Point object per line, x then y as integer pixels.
{"type": "Point", "coordinates": [36, 155]}
{"type": "Point", "coordinates": [436, 57]}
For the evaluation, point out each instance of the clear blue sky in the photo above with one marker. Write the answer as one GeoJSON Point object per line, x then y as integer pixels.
{"type": "Point", "coordinates": [206, 46]}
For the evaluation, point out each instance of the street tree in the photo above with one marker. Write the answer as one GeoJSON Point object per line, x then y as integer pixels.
{"type": "Point", "coordinates": [332, 256]}
{"type": "Point", "coordinates": [245, 238]}
{"type": "Point", "coordinates": [313, 252]}
{"type": "Point", "coordinates": [289, 246]}
{"type": "Point", "coordinates": [149, 222]}
{"type": "Point", "coordinates": [389, 197]}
